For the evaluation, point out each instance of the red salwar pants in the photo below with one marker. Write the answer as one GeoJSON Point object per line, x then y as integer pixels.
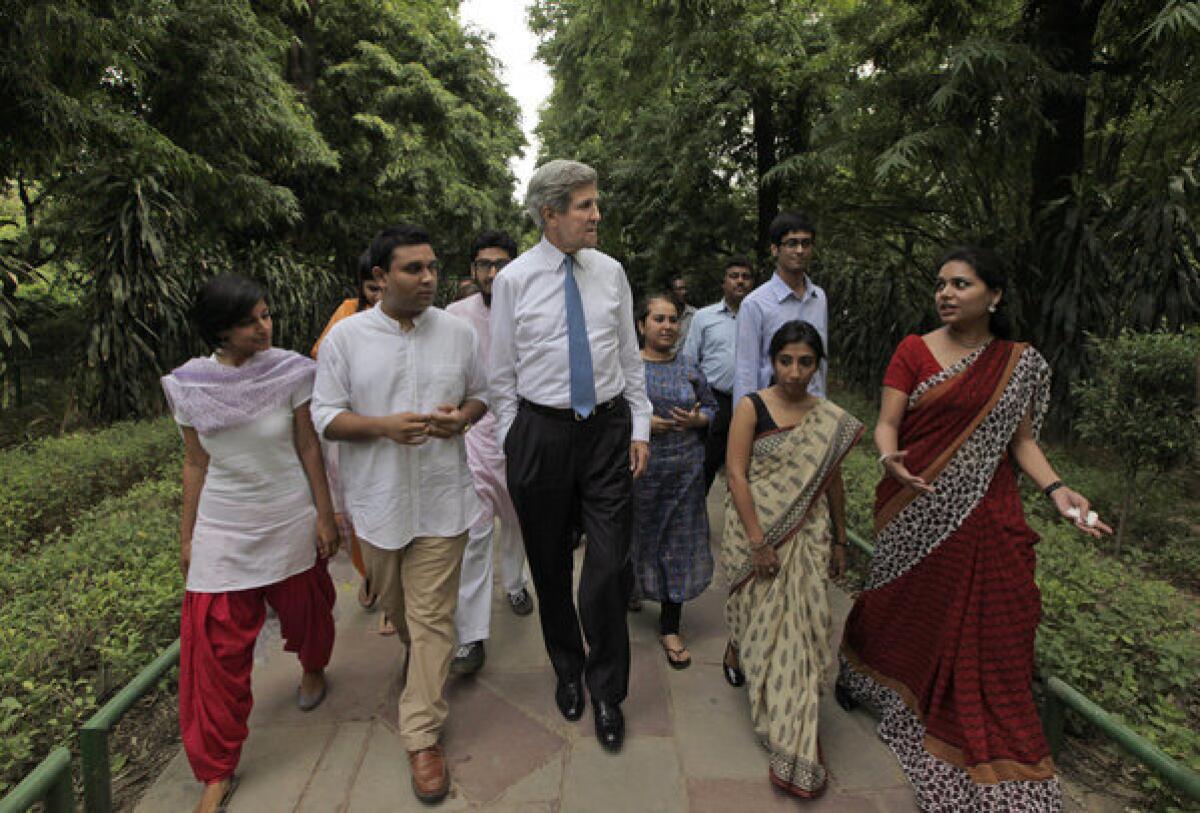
{"type": "Point", "coordinates": [217, 635]}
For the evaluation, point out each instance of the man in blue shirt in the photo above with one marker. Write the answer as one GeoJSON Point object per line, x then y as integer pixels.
{"type": "Point", "coordinates": [710, 340]}
{"type": "Point", "coordinates": [788, 295]}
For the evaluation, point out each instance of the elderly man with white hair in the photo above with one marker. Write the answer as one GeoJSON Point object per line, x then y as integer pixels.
{"type": "Point", "coordinates": [568, 388]}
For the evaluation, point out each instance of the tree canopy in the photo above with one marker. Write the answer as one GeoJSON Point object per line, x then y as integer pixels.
{"type": "Point", "coordinates": [154, 143]}
{"type": "Point", "coordinates": [1058, 132]}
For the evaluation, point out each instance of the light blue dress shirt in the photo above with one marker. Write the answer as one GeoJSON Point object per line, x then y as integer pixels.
{"type": "Point", "coordinates": [710, 340]}
{"type": "Point", "coordinates": [762, 313]}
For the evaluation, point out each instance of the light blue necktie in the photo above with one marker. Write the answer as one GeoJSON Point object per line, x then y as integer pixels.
{"type": "Point", "coordinates": [583, 385]}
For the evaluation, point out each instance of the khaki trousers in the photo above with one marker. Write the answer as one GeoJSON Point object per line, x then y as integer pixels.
{"type": "Point", "coordinates": [418, 589]}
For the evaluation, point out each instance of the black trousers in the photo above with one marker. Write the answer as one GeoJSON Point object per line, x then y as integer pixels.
{"type": "Point", "coordinates": [563, 472]}
{"type": "Point", "coordinates": [717, 438]}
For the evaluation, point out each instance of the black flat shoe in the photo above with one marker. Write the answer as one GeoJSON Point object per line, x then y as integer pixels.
{"type": "Point", "coordinates": [734, 676]}
{"type": "Point", "coordinates": [610, 725]}
{"type": "Point", "coordinates": [842, 695]}
{"type": "Point", "coordinates": [569, 697]}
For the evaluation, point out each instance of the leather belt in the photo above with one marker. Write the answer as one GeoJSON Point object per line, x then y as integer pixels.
{"type": "Point", "coordinates": [570, 414]}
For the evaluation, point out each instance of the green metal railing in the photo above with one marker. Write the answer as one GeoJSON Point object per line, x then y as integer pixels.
{"type": "Point", "coordinates": [93, 737]}
{"type": "Point", "coordinates": [49, 782]}
{"type": "Point", "coordinates": [1060, 696]}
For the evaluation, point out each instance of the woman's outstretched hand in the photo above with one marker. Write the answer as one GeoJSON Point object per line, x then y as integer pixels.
{"type": "Point", "coordinates": [1074, 506]}
{"type": "Point", "coordinates": [894, 465]}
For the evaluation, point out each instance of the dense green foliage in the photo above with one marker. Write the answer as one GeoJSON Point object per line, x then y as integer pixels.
{"type": "Point", "coordinates": [83, 614]}
{"type": "Point", "coordinates": [151, 144]}
{"type": "Point", "coordinates": [48, 484]}
{"type": "Point", "coordinates": [1128, 642]}
{"type": "Point", "coordinates": [1140, 409]}
{"type": "Point", "coordinates": [1060, 132]}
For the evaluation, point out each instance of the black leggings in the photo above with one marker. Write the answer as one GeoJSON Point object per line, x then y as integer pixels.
{"type": "Point", "coordinates": [668, 618]}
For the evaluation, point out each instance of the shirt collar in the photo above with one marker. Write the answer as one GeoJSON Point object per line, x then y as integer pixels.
{"type": "Point", "coordinates": [393, 325]}
{"type": "Point", "coordinates": [780, 290]}
{"type": "Point", "coordinates": [554, 256]}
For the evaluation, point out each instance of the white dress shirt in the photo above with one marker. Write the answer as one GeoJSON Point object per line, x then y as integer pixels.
{"type": "Point", "coordinates": [369, 366]}
{"type": "Point", "coordinates": [530, 358]}
{"type": "Point", "coordinates": [711, 340]}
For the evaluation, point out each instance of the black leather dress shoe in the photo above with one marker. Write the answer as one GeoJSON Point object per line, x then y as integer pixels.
{"type": "Point", "coordinates": [610, 725]}
{"type": "Point", "coordinates": [569, 697]}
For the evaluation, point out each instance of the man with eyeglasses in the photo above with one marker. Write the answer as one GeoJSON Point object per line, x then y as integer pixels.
{"type": "Point", "coordinates": [490, 252]}
{"type": "Point", "coordinates": [789, 295]}
{"type": "Point", "coordinates": [711, 340]}
{"type": "Point", "coordinates": [398, 385]}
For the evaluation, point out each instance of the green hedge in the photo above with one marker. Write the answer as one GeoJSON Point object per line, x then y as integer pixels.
{"type": "Point", "coordinates": [45, 485]}
{"type": "Point", "coordinates": [84, 613]}
{"type": "Point", "coordinates": [1127, 641]}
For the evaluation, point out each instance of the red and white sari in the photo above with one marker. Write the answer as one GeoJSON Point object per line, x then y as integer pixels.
{"type": "Point", "coordinates": [940, 643]}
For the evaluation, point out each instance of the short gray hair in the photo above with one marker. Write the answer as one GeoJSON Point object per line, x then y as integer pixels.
{"type": "Point", "coordinates": [552, 184]}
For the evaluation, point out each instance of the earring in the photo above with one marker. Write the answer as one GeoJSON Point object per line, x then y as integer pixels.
{"type": "Point", "coordinates": [991, 308]}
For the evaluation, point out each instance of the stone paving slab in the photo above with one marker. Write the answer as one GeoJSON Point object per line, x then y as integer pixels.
{"type": "Point", "coordinates": [689, 743]}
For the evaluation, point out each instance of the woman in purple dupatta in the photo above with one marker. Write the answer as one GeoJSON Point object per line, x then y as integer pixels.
{"type": "Point", "coordinates": [257, 525]}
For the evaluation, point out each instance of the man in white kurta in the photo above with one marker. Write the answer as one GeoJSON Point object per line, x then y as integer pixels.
{"type": "Point", "coordinates": [490, 252]}
{"type": "Point", "coordinates": [398, 385]}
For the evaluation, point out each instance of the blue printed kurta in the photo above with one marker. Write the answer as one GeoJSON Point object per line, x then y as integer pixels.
{"type": "Point", "coordinates": [670, 551]}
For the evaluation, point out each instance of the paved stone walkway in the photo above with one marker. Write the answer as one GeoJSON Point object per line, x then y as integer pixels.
{"type": "Point", "coordinates": [689, 745]}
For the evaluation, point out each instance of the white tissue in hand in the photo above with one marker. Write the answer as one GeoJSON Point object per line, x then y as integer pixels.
{"type": "Point", "coordinates": [1092, 516]}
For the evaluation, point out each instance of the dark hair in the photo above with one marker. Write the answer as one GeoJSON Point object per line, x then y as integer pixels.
{"type": "Point", "coordinates": [785, 222]}
{"type": "Point", "coordinates": [224, 301]}
{"type": "Point", "coordinates": [797, 331]}
{"type": "Point", "coordinates": [987, 266]}
{"type": "Point", "coordinates": [391, 238]}
{"type": "Point", "coordinates": [365, 275]}
{"type": "Point", "coordinates": [493, 239]}
{"type": "Point", "coordinates": [737, 261]}
{"type": "Point", "coordinates": [643, 306]}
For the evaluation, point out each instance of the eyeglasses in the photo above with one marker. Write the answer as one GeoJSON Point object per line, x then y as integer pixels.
{"type": "Point", "coordinates": [798, 242]}
{"type": "Point", "coordinates": [489, 265]}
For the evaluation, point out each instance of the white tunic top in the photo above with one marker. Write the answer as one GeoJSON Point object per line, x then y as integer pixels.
{"type": "Point", "coordinates": [256, 523]}
{"type": "Point", "coordinates": [370, 366]}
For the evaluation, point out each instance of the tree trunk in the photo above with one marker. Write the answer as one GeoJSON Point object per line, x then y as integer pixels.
{"type": "Point", "coordinates": [1062, 32]}
{"type": "Point", "coordinates": [765, 140]}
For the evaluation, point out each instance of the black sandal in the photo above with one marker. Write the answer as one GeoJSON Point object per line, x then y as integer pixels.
{"type": "Point", "coordinates": [673, 655]}
{"type": "Point", "coordinates": [734, 675]}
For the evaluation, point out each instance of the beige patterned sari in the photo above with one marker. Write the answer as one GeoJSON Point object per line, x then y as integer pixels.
{"type": "Point", "coordinates": [781, 626]}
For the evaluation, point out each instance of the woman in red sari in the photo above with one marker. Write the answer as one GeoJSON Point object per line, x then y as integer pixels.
{"type": "Point", "coordinates": [940, 644]}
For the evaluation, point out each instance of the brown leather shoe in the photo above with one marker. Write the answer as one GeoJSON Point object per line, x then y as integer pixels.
{"type": "Point", "coordinates": [430, 779]}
